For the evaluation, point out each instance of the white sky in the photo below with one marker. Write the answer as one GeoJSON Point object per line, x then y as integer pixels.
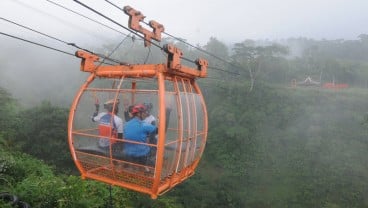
{"type": "Point", "coordinates": [230, 21]}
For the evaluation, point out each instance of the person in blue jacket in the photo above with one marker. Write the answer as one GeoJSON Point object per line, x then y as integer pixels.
{"type": "Point", "coordinates": [137, 130]}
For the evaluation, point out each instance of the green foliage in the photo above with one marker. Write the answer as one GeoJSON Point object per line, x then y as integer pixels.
{"type": "Point", "coordinates": [43, 130]}
{"type": "Point", "coordinates": [9, 121]}
{"type": "Point", "coordinates": [35, 183]}
{"type": "Point", "coordinates": [282, 147]}
{"type": "Point", "coordinates": [259, 60]}
{"type": "Point", "coordinates": [274, 147]}
{"type": "Point", "coordinates": [43, 133]}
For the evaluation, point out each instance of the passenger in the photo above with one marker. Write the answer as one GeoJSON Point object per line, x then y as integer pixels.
{"type": "Point", "coordinates": [149, 117]}
{"type": "Point", "coordinates": [152, 138]}
{"type": "Point", "coordinates": [127, 111]}
{"type": "Point", "coordinates": [110, 125]}
{"type": "Point", "coordinates": [138, 131]}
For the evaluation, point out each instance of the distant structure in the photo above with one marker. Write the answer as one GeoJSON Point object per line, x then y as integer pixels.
{"type": "Point", "coordinates": [310, 82]}
{"type": "Point", "coordinates": [332, 85]}
{"type": "Point", "coordinates": [307, 82]}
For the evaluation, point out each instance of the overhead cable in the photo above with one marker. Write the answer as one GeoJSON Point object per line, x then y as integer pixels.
{"type": "Point", "coordinates": [39, 44]}
{"type": "Point", "coordinates": [34, 30]}
{"type": "Point", "coordinates": [113, 51]}
{"type": "Point", "coordinates": [219, 69]}
{"type": "Point", "coordinates": [100, 23]}
{"type": "Point", "coordinates": [130, 30]}
{"type": "Point", "coordinates": [108, 18]}
{"type": "Point", "coordinates": [42, 45]}
{"type": "Point", "coordinates": [191, 45]}
{"type": "Point", "coordinates": [99, 13]}
{"type": "Point", "coordinates": [62, 41]}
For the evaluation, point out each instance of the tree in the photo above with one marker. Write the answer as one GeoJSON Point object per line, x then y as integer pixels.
{"type": "Point", "coordinates": [8, 120]}
{"type": "Point", "coordinates": [43, 134]}
{"type": "Point", "coordinates": [363, 38]}
{"type": "Point", "coordinates": [217, 56]}
{"type": "Point", "coordinates": [217, 48]}
{"type": "Point", "coordinates": [253, 57]}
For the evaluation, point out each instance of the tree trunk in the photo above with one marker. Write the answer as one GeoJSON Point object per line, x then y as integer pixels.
{"type": "Point", "coordinates": [252, 80]}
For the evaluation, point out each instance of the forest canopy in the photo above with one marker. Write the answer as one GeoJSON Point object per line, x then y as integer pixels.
{"type": "Point", "coordinates": [269, 144]}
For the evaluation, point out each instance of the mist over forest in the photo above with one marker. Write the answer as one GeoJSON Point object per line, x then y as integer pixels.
{"type": "Point", "coordinates": [32, 73]}
{"type": "Point", "coordinates": [275, 139]}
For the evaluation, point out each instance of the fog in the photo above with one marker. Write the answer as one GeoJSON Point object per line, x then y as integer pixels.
{"type": "Point", "coordinates": [308, 142]}
{"type": "Point", "coordinates": [264, 19]}
{"type": "Point", "coordinates": [33, 73]}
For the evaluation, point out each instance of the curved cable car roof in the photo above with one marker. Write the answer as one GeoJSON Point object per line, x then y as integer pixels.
{"type": "Point", "coordinates": [177, 103]}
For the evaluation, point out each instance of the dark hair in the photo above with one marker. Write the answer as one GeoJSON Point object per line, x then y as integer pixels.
{"type": "Point", "coordinates": [149, 106]}
{"type": "Point", "coordinates": [111, 107]}
{"type": "Point", "coordinates": [130, 108]}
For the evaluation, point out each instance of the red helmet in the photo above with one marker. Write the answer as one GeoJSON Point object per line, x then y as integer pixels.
{"type": "Point", "coordinates": [139, 108]}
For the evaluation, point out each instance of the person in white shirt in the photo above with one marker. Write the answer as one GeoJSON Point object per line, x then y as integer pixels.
{"type": "Point", "coordinates": [110, 125]}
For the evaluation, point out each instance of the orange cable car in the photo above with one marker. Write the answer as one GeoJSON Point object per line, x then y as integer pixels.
{"type": "Point", "coordinates": [177, 102]}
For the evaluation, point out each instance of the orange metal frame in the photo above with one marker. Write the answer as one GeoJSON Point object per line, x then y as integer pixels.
{"type": "Point", "coordinates": [135, 17]}
{"type": "Point", "coordinates": [173, 71]}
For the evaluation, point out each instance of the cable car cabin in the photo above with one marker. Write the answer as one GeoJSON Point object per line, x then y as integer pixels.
{"type": "Point", "coordinates": [175, 101]}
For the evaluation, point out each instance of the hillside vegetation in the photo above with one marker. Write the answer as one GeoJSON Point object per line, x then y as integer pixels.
{"type": "Point", "coordinates": [269, 144]}
{"type": "Point", "coordinates": [277, 147]}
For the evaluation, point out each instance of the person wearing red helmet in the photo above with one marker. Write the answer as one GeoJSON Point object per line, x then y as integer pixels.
{"type": "Point", "coordinates": [137, 130]}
